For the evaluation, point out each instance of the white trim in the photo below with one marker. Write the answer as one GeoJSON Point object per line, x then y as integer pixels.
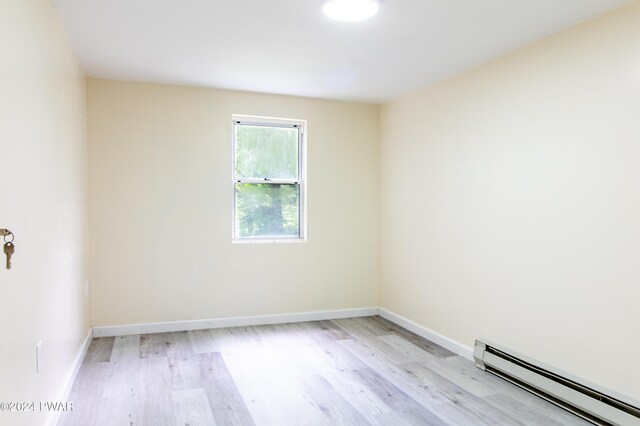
{"type": "Point", "coordinates": [265, 120]}
{"type": "Point", "coordinates": [70, 377]}
{"type": "Point", "coordinates": [169, 326]}
{"type": "Point", "coordinates": [445, 342]}
{"type": "Point", "coordinates": [294, 240]}
{"type": "Point", "coordinates": [201, 324]}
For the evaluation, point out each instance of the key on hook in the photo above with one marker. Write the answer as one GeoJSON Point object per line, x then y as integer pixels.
{"type": "Point", "coordinates": [9, 248]}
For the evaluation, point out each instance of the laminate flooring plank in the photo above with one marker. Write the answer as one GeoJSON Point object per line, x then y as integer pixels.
{"type": "Point", "coordinates": [490, 383]}
{"type": "Point", "coordinates": [428, 387]}
{"type": "Point", "coordinates": [519, 400]}
{"type": "Point", "coordinates": [99, 350]}
{"type": "Point", "coordinates": [86, 394]}
{"type": "Point", "coordinates": [176, 351]}
{"type": "Point", "coordinates": [378, 328]}
{"type": "Point", "coordinates": [360, 327]}
{"type": "Point", "coordinates": [125, 348]}
{"type": "Point", "coordinates": [484, 380]}
{"type": "Point", "coordinates": [308, 346]}
{"type": "Point", "coordinates": [120, 395]}
{"type": "Point", "coordinates": [248, 334]}
{"type": "Point", "coordinates": [421, 388]}
{"type": "Point", "coordinates": [374, 356]}
{"type": "Point", "coordinates": [153, 345]}
{"type": "Point", "coordinates": [295, 352]}
{"type": "Point", "coordinates": [230, 335]}
{"type": "Point", "coordinates": [419, 341]}
{"type": "Point", "coordinates": [392, 352]}
{"type": "Point", "coordinates": [118, 405]}
{"type": "Point", "coordinates": [525, 413]}
{"type": "Point", "coordinates": [185, 374]}
{"type": "Point", "coordinates": [390, 419]}
{"type": "Point", "coordinates": [226, 403]}
{"type": "Point", "coordinates": [336, 408]}
{"type": "Point", "coordinates": [285, 337]}
{"type": "Point", "coordinates": [409, 349]}
{"type": "Point", "coordinates": [480, 383]}
{"type": "Point", "coordinates": [326, 346]}
{"type": "Point", "coordinates": [460, 406]}
{"type": "Point", "coordinates": [330, 329]}
{"type": "Point", "coordinates": [269, 387]}
{"type": "Point", "coordinates": [396, 353]}
{"type": "Point", "coordinates": [426, 393]}
{"type": "Point", "coordinates": [268, 332]}
{"type": "Point", "coordinates": [465, 374]}
{"type": "Point", "coordinates": [295, 349]}
{"type": "Point", "coordinates": [216, 339]}
{"type": "Point", "coordinates": [449, 401]}
{"type": "Point", "coordinates": [401, 403]}
{"type": "Point", "coordinates": [153, 398]}
{"type": "Point", "coordinates": [184, 371]}
{"type": "Point", "coordinates": [178, 345]}
{"type": "Point", "coordinates": [349, 385]}
{"type": "Point", "coordinates": [202, 341]}
{"type": "Point", "coordinates": [191, 408]}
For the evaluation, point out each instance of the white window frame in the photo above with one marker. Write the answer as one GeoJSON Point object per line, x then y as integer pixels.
{"type": "Point", "coordinates": [301, 125]}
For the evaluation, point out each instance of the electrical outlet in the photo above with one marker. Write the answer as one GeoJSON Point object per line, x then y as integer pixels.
{"type": "Point", "coordinates": [86, 288]}
{"type": "Point", "coordinates": [38, 356]}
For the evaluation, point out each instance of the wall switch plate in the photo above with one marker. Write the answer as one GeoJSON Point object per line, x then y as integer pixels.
{"type": "Point", "coordinates": [38, 356]}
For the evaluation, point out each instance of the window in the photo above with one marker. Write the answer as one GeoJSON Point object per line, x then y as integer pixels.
{"type": "Point", "coordinates": [268, 179]}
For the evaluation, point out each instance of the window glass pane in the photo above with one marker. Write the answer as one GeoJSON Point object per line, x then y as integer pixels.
{"type": "Point", "coordinates": [266, 152]}
{"type": "Point", "coordinates": [267, 210]}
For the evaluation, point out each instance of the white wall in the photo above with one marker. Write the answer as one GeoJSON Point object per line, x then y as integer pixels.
{"type": "Point", "coordinates": [511, 203]}
{"type": "Point", "coordinates": [161, 205]}
{"type": "Point", "coordinates": [43, 200]}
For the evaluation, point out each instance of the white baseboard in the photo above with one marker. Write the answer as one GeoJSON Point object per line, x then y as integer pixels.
{"type": "Point", "coordinates": [445, 342]}
{"type": "Point", "coordinates": [169, 326]}
{"type": "Point", "coordinates": [70, 377]}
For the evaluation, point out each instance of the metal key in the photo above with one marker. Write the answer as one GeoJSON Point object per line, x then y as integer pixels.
{"type": "Point", "coordinates": [9, 248]}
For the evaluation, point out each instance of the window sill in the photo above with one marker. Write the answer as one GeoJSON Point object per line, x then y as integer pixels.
{"type": "Point", "coordinates": [269, 241]}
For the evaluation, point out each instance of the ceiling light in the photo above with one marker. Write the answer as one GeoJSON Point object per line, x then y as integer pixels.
{"type": "Point", "coordinates": [350, 10]}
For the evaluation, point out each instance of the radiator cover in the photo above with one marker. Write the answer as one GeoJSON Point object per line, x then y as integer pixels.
{"type": "Point", "coordinates": [591, 402]}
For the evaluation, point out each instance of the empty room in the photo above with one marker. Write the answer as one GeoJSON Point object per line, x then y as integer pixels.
{"type": "Point", "coordinates": [319, 212]}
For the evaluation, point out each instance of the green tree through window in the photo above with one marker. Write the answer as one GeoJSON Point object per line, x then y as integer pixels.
{"type": "Point", "coordinates": [267, 180]}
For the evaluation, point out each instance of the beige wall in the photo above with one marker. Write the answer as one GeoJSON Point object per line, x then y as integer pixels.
{"type": "Point", "coordinates": [161, 205]}
{"type": "Point", "coordinates": [511, 203]}
{"type": "Point", "coordinates": [43, 200]}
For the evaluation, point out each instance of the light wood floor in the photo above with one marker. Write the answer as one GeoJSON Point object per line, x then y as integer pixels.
{"type": "Point", "coordinates": [352, 371]}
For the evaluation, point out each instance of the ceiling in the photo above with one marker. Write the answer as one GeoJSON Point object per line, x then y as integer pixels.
{"type": "Point", "coordinates": [290, 47]}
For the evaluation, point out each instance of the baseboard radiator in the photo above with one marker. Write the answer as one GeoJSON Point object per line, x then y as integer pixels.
{"type": "Point", "coordinates": [592, 403]}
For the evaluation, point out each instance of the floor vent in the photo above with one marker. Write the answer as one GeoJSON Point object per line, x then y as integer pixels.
{"type": "Point", "coordinates": [598, 406]}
